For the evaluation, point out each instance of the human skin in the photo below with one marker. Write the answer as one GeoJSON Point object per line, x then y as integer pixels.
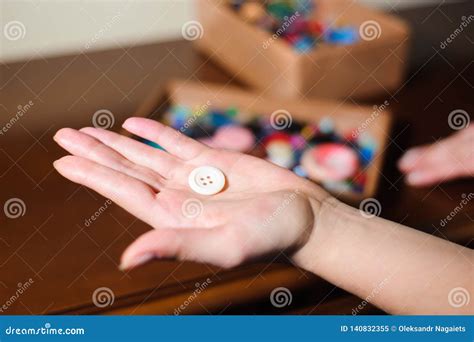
{"type": "Point", "coordinates": [264, 209]}
{"type": "Point", "coordinates": [443, 160]}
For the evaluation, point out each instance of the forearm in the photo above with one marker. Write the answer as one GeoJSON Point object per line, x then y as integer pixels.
{"type": "Point", "coordinates": [399, 269]}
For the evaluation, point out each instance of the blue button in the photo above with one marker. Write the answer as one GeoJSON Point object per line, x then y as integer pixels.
{"type": "Point", "coordinates": [304, 44]}
{"type": "Point", "coordinates": [298, 169]}
{"type": "Point", "coordinates": [342, 35]}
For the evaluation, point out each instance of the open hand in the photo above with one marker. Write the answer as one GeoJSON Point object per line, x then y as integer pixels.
{"type": "Point", "coordinates": [263, 208]}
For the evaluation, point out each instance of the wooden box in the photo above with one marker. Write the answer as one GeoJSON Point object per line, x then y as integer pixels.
{"type": "Point", "coordinates": [272, 67]}
{"type": "Point", "coordinates": [346, 118]}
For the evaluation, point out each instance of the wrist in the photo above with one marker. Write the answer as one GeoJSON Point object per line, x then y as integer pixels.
{"type": "Point", "coordinates": [320, 243]}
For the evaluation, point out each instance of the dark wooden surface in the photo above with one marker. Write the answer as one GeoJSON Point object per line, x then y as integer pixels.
{"type": "Point", "coordinates": [68, 260]}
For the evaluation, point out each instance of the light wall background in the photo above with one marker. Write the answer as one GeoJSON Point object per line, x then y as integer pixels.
{"type": "Point", "coordinates": [55, 27]}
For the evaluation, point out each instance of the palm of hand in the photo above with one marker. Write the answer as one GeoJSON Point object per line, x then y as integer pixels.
{"type": "Point", "coordinates": [224, 229]}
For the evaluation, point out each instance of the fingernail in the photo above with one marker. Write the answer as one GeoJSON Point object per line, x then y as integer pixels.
{"type": "Point", "coordinates": [409, 159]}
{"type": "Point", "coordinates": [62, 135]}
{"type": "Point", "coordinates": [57, 163]}
{"type": "Point", "coordinates": [415, 177]}
{"type": "Point", "coordinates": [56, 136]}
{"type": "Point", "coordinates": [135, 262]}
{"type": "Point", "coordinates": [126, 123]}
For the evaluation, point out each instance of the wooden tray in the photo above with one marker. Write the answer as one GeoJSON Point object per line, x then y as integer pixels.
{"type": "Point", "coordinates": [329, 71]}
{"type": "Point", "coordinates": [345, 117]}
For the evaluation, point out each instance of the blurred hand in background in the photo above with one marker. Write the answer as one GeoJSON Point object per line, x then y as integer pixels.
{"type": "Point", "coordinates": [444, 160]}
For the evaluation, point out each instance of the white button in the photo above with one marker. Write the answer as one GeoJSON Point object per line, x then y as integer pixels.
{"type": "Point", "coordinates": [206, 180]}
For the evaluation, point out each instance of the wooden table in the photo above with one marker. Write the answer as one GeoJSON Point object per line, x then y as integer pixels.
{"type": "Point", "coordinates": [67, 260]}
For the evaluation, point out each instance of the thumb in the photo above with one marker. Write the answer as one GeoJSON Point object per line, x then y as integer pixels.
{"type": "Point", "coordinates": [215, 246]}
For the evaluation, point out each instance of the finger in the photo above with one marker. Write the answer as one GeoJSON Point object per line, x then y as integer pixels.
{"type": "Point", "coordinates": [438, 162]}
{"type": "Point", "coordinates": [83, 145]}
{"type": "Point", "coordinates": [139, 153]}
{"type": "Point", "coordinates": [171, 140]}
{"type": "Point", "coordinates": [457, 146]}
{"type": "Point", "coordinates": [436, 169]}
{"type": "Point", "coordinates": [431, 156]}
{"type": "Point", "coordinates": [131, 194]}
{"type": "Point", "coordinates": [430, 176]}
{"type": "Point", "coordinates": [213, 246]}
{"type": "Point", "coordinates": [411, 157]}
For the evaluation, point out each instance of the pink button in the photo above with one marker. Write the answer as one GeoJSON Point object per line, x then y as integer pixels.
{"type": "Point", "coordinates": [234, 138]}
{"type": "Point", "coordinates": [330, 162]}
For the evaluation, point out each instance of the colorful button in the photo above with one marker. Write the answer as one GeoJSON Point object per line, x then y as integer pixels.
{"type": "Point", "coordinates": [206, 180]}
{"type": "Point", "coordinates": [326, 126]}
{"type": "Point", "coordinates": [300, 171]}
{"type": "Point", "coordinates": [280, 153]}
{"type": "Point", "coordinates": [277, 136]}
{"type": "Point", "coordinates": [232, 112]}
{"type": "Point", "coordinates": [330, 162]}
{"type": "Point", "coordinates": [280, 10]}
{"type": "Point", "coordinates": [293, 20]}
{"type": "Point", "coordinates": [234, 138]}
{"type": "Point", "coordinates": [309, 132]}
{"type": "Point", "coordinates": [315, 28]}
{"type": "Point", "coordinates": [298, 142]}
{"type": "Point", "coordinates": [367, 141]}
{"type": "Point", "coordinates": [304, 44]}
{"type": "Point", "coordinates": [343, 35]}
{"type": "Point", "coordinates": [297, 25]}
{"type": "Point", "coordinates": [366, 155]}
{"type": "Point", "coordinates": [218, 119]}
{"type": "Point", "coordinates": [304, 6]}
